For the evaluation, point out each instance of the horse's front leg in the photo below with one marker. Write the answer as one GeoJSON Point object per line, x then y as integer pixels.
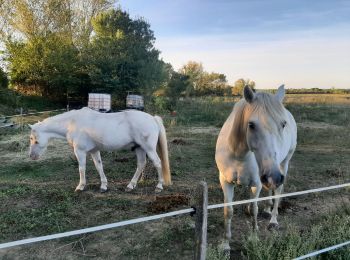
{"type": "Point", "coordinates": [268, 206]}
{"type": "Point", "coordinates": [81, 157]}
{"type": "Point", "coordinates": [96, 157]}
{"type": "Point", "coordinates": [228, 190]}
{"type": "Point", "coordinates": [284, 169]}
{"type": "Point", "coordinates": [273, 221]}
{"type": "Point", "coordinates": [141, 162]}
{"type": "Point", "coordinates": [255, 194]}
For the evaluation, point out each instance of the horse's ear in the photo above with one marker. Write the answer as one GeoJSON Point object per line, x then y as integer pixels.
{"type": "Point", "coordinates": [30, 126]}
{"type": "Point", "coordinates": [280, 93]}
{"type": "Point", "coordinates": [248, 94]}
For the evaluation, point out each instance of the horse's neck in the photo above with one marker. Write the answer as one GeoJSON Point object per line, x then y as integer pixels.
{"type": "Point", "coordinates": [56, 127]}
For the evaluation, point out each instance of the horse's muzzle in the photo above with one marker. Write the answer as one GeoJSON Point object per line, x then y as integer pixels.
{"type": "Point", "coordinates": [272, 180]}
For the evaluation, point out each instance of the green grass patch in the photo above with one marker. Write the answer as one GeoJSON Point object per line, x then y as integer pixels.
{"type": "Point", "coordinates": [324, 232]}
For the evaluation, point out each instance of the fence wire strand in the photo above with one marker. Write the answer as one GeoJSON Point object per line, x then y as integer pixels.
{"type": "Point", "coordinates": [174, 213]}
{"type": "Point", "coordinates": [322, 251]}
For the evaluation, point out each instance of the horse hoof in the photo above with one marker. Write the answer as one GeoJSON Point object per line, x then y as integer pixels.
{"type": "Point", "coordinates": [103, 190]}
{"type": "Point", "coordinates": [273, 226]}
{"type": "Point", "coordinates": [158, 190]}
{"type": "Point", "coordinates": [79, 190]}
{"type": "Point", "coordinates": [266, 215]}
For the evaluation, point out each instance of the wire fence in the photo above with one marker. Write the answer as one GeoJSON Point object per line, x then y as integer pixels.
{"type": "Point", "coordinates": [35, 113]}
{"type": "Point", "coordinates": [165, 215]}
{"type": "Point", "coordinates": [19, 117]}
{"type": "Point", "coordinates": [179, 212]}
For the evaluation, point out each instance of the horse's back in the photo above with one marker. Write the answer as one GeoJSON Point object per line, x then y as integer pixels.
{"type": "Point", "coordinates": [111, 131]}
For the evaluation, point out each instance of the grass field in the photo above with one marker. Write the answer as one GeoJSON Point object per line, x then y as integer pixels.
{"type": "Point", "coordinates": [38, 197]}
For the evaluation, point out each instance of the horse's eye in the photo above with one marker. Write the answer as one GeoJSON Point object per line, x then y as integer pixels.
{"type": "Point", "coordinates": [36, 142]}
{"type": "Point", "coordinates": [284, 123]}
{"type": "Point", "coordinates": [251, 125]}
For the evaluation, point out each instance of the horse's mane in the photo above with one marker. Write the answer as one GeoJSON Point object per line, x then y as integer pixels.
{"type": "Point", "coordinates": [270, 112]}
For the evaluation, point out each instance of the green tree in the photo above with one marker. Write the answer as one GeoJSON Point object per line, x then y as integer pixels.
{"type": "Point", "coordinates": [194, 70]}
{"type": "Point", "coordinates": [178, 84]}
{"type": "Point", "coordinates": [44, 42]}
{"type": "Point", "coordinates": [122, 56]}
{"type": "Point", "coordinates": [237, 89]}
{"type": "Point", "coordinates": [202, 82]}
{"type": "Point", "coordinates": [46, 65]}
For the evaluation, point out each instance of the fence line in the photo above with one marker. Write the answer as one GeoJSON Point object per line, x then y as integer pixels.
{"type": "Point", "coordinates": [34, 113]}
{"type": "Point", "coordinates": [7, 125]}
{"type": "Point", "coordinates": [94, 229]}
{"type": "Point", "coordinates": [297, 193]}
{"type": "Point", "coordinates": [322, 251]}
{"type": "Point", "coordinates": [154, 217]}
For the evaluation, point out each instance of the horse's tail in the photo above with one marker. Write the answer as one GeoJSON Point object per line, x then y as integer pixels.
{"type": "Point", "coordinates": [162, 149]}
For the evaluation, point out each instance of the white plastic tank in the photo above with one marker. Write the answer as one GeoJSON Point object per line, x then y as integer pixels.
{"type": "Point", "coordinates": [134, 102]}
{"type": "Point", "coordinates": [100, 102]}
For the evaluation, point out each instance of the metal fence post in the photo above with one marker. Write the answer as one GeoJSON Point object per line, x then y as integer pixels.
{"type": "Point", "coordinates": [201, 198]}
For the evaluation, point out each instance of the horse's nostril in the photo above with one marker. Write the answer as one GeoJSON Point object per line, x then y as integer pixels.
{"type": "Point", "coordinates": [264, 179]}
{"type": "Point", "coordinates": [282, 179]}
{"type": "Point", "coordinates": [279, 179]}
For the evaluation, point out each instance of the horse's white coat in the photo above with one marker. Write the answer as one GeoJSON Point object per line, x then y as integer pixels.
{"type": "Point", "coordinates": [256, 142]}
{"type": "Point", "coordinates": [89, 132]}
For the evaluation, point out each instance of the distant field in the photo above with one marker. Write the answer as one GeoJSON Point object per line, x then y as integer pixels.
{"type": "Point", "coordinates": [335, 99]}
{"type": "Point", "coordinates": [38, 198]}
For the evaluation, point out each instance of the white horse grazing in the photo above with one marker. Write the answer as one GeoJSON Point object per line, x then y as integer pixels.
{"type": "Point", "coordinates": [89, 132]}
{"type": "Point", "coordinates": [254, 148]}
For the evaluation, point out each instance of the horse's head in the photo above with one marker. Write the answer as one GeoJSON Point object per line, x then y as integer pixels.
{"type": "Point", "coordinates": [38, 142]}
{"type": "Point", "coordinates": [265, 120]}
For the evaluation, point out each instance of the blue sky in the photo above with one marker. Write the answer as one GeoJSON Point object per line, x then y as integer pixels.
{"type": "Point", "coordinates": [298, 43]}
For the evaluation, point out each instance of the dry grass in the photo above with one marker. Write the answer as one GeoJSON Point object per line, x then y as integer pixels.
{"type": "Point", "coordinates": [38, 197]}
{"type": "Point", "coordinates": [319, 99]}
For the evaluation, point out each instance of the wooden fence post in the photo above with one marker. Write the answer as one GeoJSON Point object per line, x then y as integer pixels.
{"type": "Point", "coordinates": [201, 216]}
{"type": "Point", "coordinates": [21, 121]}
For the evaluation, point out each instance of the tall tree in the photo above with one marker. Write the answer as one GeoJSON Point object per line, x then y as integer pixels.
{"type": "Point", "coordinates": [177, 85]}
{"type": "Point", "coordinates": [44, 40]}
{"type": "Point", "coordinates": [194, 70]}
{"type": "Point", "coordinates": [237, 89]}
{"type": "Point", "coordinates": [203, 82]}
{"type": "Point", "coordinates": [28, 19]}
{"type": "Point", "coordinates": [122, 55]}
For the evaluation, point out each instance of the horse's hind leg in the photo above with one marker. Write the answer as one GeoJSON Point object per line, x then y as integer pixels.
{"type": "Point", "coordinates": [141, 162]}
{"type": "Point", "coordinates": [228, 190]}
{"type": "Point", "coordinates": [96, 157]}
{"type": "Point", "coordinates": [153, 156]}
{"type": "Point", "coordinates": [81, 157]}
